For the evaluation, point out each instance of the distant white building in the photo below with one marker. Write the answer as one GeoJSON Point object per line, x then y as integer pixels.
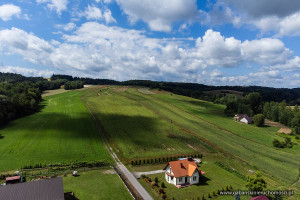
{"type": "Point", "coordinates": [182, 173]}
{"type": "Point", "coordinates": [243, 118]}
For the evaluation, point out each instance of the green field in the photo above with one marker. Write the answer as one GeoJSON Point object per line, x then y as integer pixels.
{"type": "Point", "coordinates": [96, 185]}
{"type": "Point", "coordinates": [61, 132]}
{"type": "Point", "coordinates": [137, 125]}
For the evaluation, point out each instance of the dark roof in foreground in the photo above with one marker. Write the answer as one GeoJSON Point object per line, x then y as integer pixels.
{"type": "Point", "coordinates": [47, 189]}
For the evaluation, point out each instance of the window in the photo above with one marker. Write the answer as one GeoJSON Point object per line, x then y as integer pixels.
{"type": "Point", "coordinates": [180, 179]}
{"type": "Point", "coordinates": [172, 178]}
{"type": "Point", "coordinates": [194, 178]}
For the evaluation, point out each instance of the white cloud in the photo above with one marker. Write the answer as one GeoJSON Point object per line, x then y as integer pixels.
{"type": "Point", "coordinates": [266, 51]}
{"type": "Point", "coordinates": [26, 71]}
{"type": "Point", "coordinates": [159, 15]}
{"type": "Point", "coordinates": [92, 12]}
{"type": "Point", "coordinates": [108, 17]}
{"type": "Point", "coordinates": [97, 50]}
{"type": "Point", "coordinates": [57, 5]}
{"type": "Point", "coordinates": [31, 47]}
{"type": "Point", "coordinates": [7, 11]}
{"type": "Point", "coordinates": [275, 16]}
{"type": "Point", "coordinates": [290, 65]}
{"type": "Point", "coordinates": [67, 27]}
{"type": "Point", "coordinates": [216, 73]}
{"type": "Point", "coordinates": [274, 74]}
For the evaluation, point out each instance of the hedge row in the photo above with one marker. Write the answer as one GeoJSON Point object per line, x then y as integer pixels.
{"type": "Point", "coordinates": [163, 159]}
{"type": "Point", "coordinates": [72, 165]}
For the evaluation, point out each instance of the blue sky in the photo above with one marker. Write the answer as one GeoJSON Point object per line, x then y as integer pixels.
{"type": "Point", "coordinates": [214, 42]}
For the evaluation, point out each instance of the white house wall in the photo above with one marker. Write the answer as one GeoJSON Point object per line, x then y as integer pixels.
{"type": "Point", "coordinates": [196, 173]}
{"type": "Point", "coordinates": [169, 178]}
{"type": "Point", "coordinates": [244, 120]}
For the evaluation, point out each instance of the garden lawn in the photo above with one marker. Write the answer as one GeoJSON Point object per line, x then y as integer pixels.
{"type": "Point", "coordinates": [61, 132]}
{"type": "Point", "coordinates": [94, 185]}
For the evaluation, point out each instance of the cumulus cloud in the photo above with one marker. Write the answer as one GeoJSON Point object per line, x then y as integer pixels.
{"type": "Point", "coordinates": [290, 65]}
{"type": "Point", "coordinates": [57, 5]}
{"type": "Point", "coordinates": [275, 16]}
{"type": "Point", "coordinates": [159, 15]}
{"type": "Point", "coordinates": [92, 12]}
{"type": "Point", "coordinates": [31, 47]}
{"type": "Point", "coordinates": [67, 27]}
{"type": "Point", "coordinates": [274, 74]}
{"type": "Point", "coordinates": [26, 71]}
{"type": "Point", "coordinates": [7, 11]}
{"type": "Point", "coordinates": [97, 50]}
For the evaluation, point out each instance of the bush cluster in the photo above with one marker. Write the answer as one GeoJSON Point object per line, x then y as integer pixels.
{"type": "Point", "coordinates": [284, 144]}
{"type": "Point", "coordinates": [155, 186]}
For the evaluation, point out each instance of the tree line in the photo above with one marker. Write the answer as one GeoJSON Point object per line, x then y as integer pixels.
{"type": "Point", "coordinates": [280, 112]}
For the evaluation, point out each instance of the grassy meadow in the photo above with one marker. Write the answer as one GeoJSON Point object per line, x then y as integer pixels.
{"type": "Point", "coordinates": [141, 124]}
{"type": "Point", "coordinates": [137, 124]}
{"type": "Point", "coordinates": [61, 132]}
{"type": "Point", "coordinates": [96, 185]}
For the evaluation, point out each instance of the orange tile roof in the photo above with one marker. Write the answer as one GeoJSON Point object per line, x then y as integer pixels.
{"type": "Point", "coordinates": [184, 167]}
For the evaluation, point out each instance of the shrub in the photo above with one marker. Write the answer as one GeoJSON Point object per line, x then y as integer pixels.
{"type": "Point", "coordinates": [213, 193]}
{"type": "Point", "coordinates": [198, 198]}
{"type": "Point", "coordinates": [155, 184]}
{"type": "Point", "coordinates": [155, 179]}
{"type": "Point", "coordinates": [203, 198]}
{"type": "Point", "coordinates": [162, 185]}
{"type": "Point", "coordinates": [259, 120]}
{"type": "Point", "coordinates": [226, 188]}
{"type": "Point", "coordinates": [161, 191]}
{"type": "Point", "coordinates": [143, 176]}
{"type": "Point", "coordinates": [209, 195]}
{"type": "Point", "coordinates": [149, 179]}
{"type": "Point", "coordinates": [164, 196]}
{"type": "Point", "coordinates": [132, 163]}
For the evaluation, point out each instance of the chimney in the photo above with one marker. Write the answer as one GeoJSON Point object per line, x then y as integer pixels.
{"type": "Point", "coordinates": [181, 165]}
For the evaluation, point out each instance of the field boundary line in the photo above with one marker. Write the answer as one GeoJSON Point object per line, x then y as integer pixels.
{"type": "Point", "coordinates": [136, 189]}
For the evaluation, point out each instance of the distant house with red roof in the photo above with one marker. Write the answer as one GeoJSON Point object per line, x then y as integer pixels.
{"type": "Point", "coordinates": [182, 173]}
{"type": "Point", "coordinates": [262, 197]}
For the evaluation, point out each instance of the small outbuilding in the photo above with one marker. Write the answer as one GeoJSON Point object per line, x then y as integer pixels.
{"type": "Point", "coordinates": [243, 118]}
{"type": "Point", "coordinates": [12, 180]}
{"type": "Point", "coordinates": [182, 173]}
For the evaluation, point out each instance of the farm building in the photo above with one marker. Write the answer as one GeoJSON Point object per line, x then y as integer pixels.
{"type": "Point", "coordinates": [47, 189]}
{"type": "Point", "coordinates": [12, 180]}
{"type": "Point", "coordinates": [243, 118]}
{"type": "Point", "coordinates": [182, 173]}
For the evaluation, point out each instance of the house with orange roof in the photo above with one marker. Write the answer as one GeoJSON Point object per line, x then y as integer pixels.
{"type": "Point", "coordinates": [182, 173]}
